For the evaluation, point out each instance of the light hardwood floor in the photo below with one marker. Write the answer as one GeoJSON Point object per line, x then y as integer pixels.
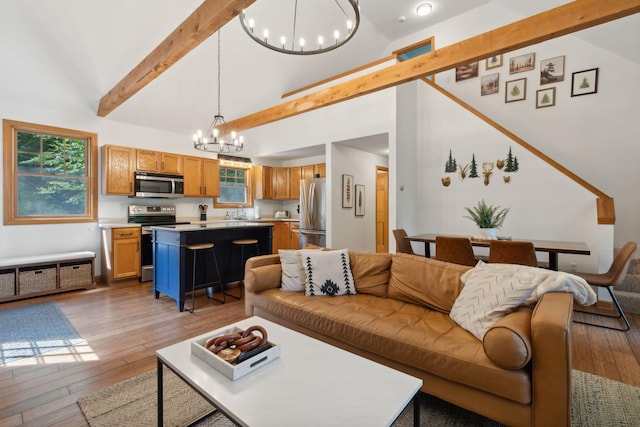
{"type": "Point", "coordinates": [124, 325]}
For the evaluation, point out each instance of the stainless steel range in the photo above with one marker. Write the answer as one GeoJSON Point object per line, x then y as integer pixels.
{"type": "Point", "coordinates": [148, 216]}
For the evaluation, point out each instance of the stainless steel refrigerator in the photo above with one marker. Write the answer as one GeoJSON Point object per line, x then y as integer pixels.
{"type": "Point", "coordinates": [313, 224]}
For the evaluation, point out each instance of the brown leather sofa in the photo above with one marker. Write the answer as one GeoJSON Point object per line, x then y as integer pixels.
{"type": "Point", "coordinates": [519, 374]}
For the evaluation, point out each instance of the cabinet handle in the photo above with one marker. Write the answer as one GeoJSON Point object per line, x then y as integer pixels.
{"type": "Point", "coordinates": [205, 190]}
{"type": "Point", "coordinates": [163, 165]}
{"type": "Point", "coordinates": [127, 234]}
{"type": "Point", "coordinates": [156, 165]}
{"type": "Point", "coordinates": [130, 187]}
{"type": "Point", "coordinates": [137, 246]}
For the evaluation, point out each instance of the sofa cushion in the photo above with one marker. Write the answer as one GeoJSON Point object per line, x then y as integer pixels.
{"type": "Point", "coordinates": [508, 342]}
{"type": "Point", "coordinates": [413, 335]}
{"type": "Point", "coordinates": [327, 272]}
{"type": "Point", "coordinates": [425, 281]}
{"type": "Point", "coordinates": [371, 272]}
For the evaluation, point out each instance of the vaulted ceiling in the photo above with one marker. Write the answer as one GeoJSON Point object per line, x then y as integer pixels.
{"type": "Point", "coordinates": [67, 54]}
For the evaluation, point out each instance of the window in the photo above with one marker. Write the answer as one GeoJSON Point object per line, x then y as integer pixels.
{"type": "Point", "coordinates": [416, 49]}
{"type": "Point", "coordinates": [50, 174]}
{"type": "Point", "coordinates": [234, 188]}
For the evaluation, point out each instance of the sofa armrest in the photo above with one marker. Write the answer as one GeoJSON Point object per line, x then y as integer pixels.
{"type": "Point", "coordinates": [551, 339]}
{"type": "Point", "coordinates": [264, 277]}
{"type": "Point", "coordinates": [260, 260]}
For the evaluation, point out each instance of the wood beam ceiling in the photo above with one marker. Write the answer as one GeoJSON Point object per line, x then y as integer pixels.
{"type": "Point", "coordinates": [571, 17]}
{"type": "Point", "coordinates": [208, 18]}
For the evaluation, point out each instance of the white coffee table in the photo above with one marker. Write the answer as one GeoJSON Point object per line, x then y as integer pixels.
{"type": "Point", "coordinates": [311, 384]}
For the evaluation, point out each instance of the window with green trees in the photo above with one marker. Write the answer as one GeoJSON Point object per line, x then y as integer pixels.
{"type": "Point", "coordinates": [51, 174]}
{"type": "Point", "coordinates": [234, 187]}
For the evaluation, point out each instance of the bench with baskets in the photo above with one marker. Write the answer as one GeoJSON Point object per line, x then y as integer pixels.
{"type": "Point", "coordinates": [26, 277]}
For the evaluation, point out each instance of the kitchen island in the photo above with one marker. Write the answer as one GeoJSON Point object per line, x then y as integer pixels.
{"type": "Point", "coordinates": [173, 263]}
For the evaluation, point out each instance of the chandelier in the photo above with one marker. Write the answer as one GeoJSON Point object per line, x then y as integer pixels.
{"type": "Point", "coordinates": [317, 27]}
{"type": "Point", "coordinates": [218, 138]}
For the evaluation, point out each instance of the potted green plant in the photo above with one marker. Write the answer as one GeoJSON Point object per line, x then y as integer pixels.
{"type": "Point", "coordinates": [487, 217]}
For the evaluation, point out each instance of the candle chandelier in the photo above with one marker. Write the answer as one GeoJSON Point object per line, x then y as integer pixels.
{"type": "Point", "coordinates": [316, 27]}
{"type": "Point", "coordinates": [218, 138]}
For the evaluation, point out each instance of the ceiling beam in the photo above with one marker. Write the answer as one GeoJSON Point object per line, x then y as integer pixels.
{"type": "Point", "coordinates": [571, 17]}
{"type": "Point", "coordinates": [208, 18]}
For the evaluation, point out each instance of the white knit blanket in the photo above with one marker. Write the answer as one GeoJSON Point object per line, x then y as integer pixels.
{"type": "Point", "coordinates": [541, 281]}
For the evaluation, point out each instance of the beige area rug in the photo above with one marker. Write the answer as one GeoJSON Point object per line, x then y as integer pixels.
{"type": "Point", "coordinates": [597, 402]}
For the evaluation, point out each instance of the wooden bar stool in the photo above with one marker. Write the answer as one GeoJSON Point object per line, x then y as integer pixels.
{"type": "Point", "coordinates": [202, 247]}
{"type": "Point", "coordinates": [242, 243]}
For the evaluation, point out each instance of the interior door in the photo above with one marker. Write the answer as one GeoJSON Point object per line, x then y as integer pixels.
{"type": "Point", "coordinates": [382, 209]}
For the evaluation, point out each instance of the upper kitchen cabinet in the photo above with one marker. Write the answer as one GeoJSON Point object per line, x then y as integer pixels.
{"type": "Point", "coordinates": [281, 183]}
{"type": "Point", "coordinates": [262, 182]}
{"type": "Point", "coordinates": [118, 167]}
{"type": "Point", "coordinates": [201, 177]}
{"type": "Point", "coordinates": [155, 161]}
{"type": "Point", "coordinates": [307, 172]}
{"type": "Point", "coordinates": [295, 175]}
{"type": "Point", "coordinates": [320, 169]}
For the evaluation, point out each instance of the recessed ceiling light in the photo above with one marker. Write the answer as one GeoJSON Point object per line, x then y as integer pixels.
{"type": "Point", "coordinates": [423, 9]}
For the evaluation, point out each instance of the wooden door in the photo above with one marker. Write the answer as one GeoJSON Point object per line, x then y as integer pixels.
{"type": "Point", "coordinates": [262, 183]}
{"type": "Point", "coordinates": [211, 178]}
{"type": "Point", "coordinates": [382, 209]}
{"type": "Point", "coordinates": [320, 169]}
{"type": "Point", "coordinates": [126, 252]}
{"type": "Point", "coordinates": [147, 160]}
{"type": "Point", "coordinates": [281, 183]}
{"type": "Point", "coordinates": [280, 236]}
{"type": "Point", "coordinates": [192, 176]}
{"type": "Point", "coordinates": [306, 172]}
{"type": "Point", "coordinates": [119, 169]}
{"type": "Point", "coordinates": [294, 182]}
{"type": "Point", "coordinates": [171, 163]}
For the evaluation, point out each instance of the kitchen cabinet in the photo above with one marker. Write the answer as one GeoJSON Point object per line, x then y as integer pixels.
{"type": "Point", "coordinates": [125, 253]}
{"type": "Point", "coordinates": [119, 165]}
{"type": "Point", "coordinates": [294, 235]}
{"type": "Point", "coordinates": [295, 175]}
{"type": "Point", "coordinates": [307, 172]}
{"type": "Point", "coordinates": [156, 161]}
{"type": "Point", "coordinates": [201, 177]}
{"type": "Point", "coordinates": [281, 183]}
{"type": "Point", "coordinates": [320, 169]}
{"type": "Point", "coordinates": [262, 182]}
{"type": "Point", "coordinates": [281, 236]}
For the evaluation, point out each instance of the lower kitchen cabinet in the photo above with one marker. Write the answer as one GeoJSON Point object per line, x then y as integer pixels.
{"type": "Point", "coordinates": [123, 259]}
{"type": "Point", "coordinates": [294, 235]}
{"type": "Point", "coordinates": [281, 236]}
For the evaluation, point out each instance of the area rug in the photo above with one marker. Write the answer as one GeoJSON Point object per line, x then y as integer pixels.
{"type": "Point", "coordinates": [597, 402]}
{"type": "Point", "coordinates": [33, 330]}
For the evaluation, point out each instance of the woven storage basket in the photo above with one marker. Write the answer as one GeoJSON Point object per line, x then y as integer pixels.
{"type": "Point", "coordinates": [7, 284]}
{"type": "Point", "coordinates": [75, 275]}
{"type": "Point", "coordinates": [42, 279]}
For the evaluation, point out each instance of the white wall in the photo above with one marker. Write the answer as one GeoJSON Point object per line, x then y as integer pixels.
{"type": "Point", "coordinates": [594, 136]}
{"type": "Point", "coordinates": [349, 231]}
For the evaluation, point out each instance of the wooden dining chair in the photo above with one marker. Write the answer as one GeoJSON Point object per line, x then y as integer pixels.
{"type": "Point", "coordinates": [402, 245]}
{"type": "Point", "coordinates": [616, 274]}
{"type": "Point", "coordinates": [457, 250]}
{"type": "Point", "coordinates": [511, 252]}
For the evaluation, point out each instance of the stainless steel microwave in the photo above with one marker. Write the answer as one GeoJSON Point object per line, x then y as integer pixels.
{"type": "Point", "coordinates": [159, 185]}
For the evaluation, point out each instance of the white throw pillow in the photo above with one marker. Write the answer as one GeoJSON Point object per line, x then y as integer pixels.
{"type": "Point", "coordinates": [293, 275]}
{"type": "Point", "coordinates": [487, 296]}
{"type": "Point", "coordinates": [327, 272]}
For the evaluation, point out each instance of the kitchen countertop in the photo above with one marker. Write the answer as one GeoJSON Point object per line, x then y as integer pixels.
{"type": "Point", "coordinates": [114, 223]}
{"type": "Point", "coordinates": [210, 225]}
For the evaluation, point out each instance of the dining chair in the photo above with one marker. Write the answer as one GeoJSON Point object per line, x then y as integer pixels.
{"type": "Point", "coordinates": [616, 274]}
{"type": "Point", "coordinates": [512, 252]}
{"type": "Point", "coordinates": [457, 250]}
{"type": "Point", "coordinates": [402, 245]}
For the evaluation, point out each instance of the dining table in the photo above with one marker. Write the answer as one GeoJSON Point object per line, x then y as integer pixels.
{"type": "Point", "coordinates": [552, 247]}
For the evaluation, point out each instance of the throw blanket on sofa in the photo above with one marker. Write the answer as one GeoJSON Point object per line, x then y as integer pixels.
{"type": "Point", "coordinates": [491, 291]}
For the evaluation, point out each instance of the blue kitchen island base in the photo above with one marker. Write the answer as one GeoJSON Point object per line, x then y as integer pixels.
{"type": "Point", "coordinates": [172, 263]}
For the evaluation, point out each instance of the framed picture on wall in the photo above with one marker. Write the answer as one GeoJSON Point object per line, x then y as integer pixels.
{"type": "Point", "coordinates": [584, 82]}
{"type": "Point", "coordinates": [347, 191]}
{"type": "Point", "coordinates": [552, 70]}
{"type": "Point", "coordinates": [489, 84]}
{"type": "Point", "coordinates": [522, 63]}
{"type": "Point", "coordinates": [515, 90]}
{"type": "Point", "coordinates": [493, 62]}
{"type": "Point", "coordinates": [467, 71]}
{"type": "Point", "coordinates": [546, 97]}
{"type": "Point", "coordinates": [359, 200]}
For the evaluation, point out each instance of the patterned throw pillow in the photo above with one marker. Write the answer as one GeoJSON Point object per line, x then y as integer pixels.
{"type": "Point", "coordinates": [293, 275]}
{"type": "Point", "coordinates": [487, 296]}
{"type": "Point", "coordinates": [327, 273]}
